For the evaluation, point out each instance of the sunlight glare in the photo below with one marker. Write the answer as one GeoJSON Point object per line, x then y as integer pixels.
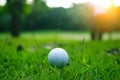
{"type": "Point", "coordinates": [116, 3]}
{"type": "Point", "coordinates": [69, 3]}
{"type": "Point", "coordinates": [102, 3]}
{"type": "Point", "coordinates": [2, 2]}
{"type": "Point", "coordinates": [59, 3]}
{"type": "Point", "coordinates": [29, 1]}
{"type": "Point", "coordinates": [80, 1]}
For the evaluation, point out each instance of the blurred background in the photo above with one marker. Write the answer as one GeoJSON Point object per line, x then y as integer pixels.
{"type": "Point", "coordinates": [95, 17]}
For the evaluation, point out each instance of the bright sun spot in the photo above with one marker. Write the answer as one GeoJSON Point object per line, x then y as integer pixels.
{"type": "Point", "coordinates": [63, 3]}
{"type": "Point", "coordinates": [2, 2]}
{"type": "Point", "coordinates": [116, 2]}
{"type": "Point", "coordinates": [102, 3]}
{"type": "Point", "coordinates": [29, 1]}
{"type": "Point", "coordinates": [59, 3]}
{"type": "Point", "coordinates": [68, 3]}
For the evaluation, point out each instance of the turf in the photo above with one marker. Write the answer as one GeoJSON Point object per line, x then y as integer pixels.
{"type": "Point", "coordinates": [88, 59]}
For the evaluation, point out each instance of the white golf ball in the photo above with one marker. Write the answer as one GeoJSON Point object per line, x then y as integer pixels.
{"type": "Point", "coordinates": [58, 57]}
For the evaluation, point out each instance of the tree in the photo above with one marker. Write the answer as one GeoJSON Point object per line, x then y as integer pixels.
{"type": "Point", "coordinates": [15, 9]}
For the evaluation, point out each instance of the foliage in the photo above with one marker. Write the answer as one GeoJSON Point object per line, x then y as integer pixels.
{"type": "Point", "coordinates": [39, 16]}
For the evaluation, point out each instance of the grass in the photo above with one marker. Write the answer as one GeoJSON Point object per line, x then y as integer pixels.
{"type": "Point", "coordinates": [88, 60]}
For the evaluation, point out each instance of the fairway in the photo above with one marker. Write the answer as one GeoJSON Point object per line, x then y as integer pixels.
{"type": "Point", "coordinates": [65, 35]}
{"type": "Point", "coordinates": [88, 59]}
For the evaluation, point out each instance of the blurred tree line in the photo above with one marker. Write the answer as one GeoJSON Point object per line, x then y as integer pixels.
{"type": "Point", "coordinates": [16, 15]}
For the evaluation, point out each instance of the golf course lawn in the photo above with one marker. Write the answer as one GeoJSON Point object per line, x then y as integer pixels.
{"type": "Point", "coordinates": [26, 57]}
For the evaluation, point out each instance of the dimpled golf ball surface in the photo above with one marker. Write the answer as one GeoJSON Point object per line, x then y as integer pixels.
{"type": "Point", "coordinates": [58, 57]}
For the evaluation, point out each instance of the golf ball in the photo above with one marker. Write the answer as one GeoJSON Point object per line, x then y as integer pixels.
{"type": "Point", "coordinates": [58, 57]}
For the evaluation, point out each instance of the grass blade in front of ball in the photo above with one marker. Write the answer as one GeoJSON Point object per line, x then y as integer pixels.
{"type": "Point", "coordinates": [59, 73]}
